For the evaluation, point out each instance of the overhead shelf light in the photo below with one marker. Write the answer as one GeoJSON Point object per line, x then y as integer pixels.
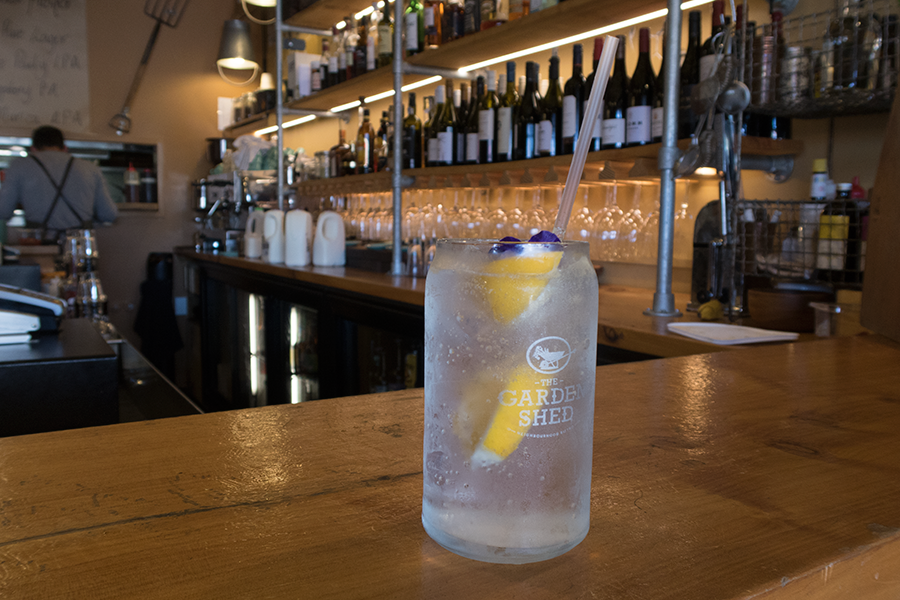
{"type": "Point", "coordinates": [293, 123]}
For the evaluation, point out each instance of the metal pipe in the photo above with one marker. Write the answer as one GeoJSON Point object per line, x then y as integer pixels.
{"type": "Point", "coordinates": [279, 101]}
{"type": "Point", "coordinates": [664, 299]}
{"type": "Point", "coordinates": [396, 176]}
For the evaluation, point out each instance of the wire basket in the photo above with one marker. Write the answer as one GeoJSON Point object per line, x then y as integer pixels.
{"type": "Point", "coordinates": [842, 61]}
{"type": "Point", "coordinates": [821, 242]}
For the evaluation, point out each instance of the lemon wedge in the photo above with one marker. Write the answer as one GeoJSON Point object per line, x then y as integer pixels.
{"type": "Point", "coordinates": [515, 281]}
{"type": "Point", "coordinates": [509, 426]}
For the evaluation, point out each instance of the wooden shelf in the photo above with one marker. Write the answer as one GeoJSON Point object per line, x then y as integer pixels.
{"type": "Point", "coordinates": [538, 167]}
{"type": "Point", "coordinates": [563, 20]}
{"type": "Point", "coordinates": [323, 14]}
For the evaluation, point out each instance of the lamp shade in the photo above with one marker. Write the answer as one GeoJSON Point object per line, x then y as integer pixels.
{"type": "Point", "coordinates": [236, 50]}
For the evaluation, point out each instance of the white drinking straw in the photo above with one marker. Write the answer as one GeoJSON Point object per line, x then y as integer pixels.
{"type": "Point", "coordinates": [595, 102]}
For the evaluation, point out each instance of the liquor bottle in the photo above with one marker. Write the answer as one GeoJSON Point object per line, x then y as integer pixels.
{"type": "Point", "coordinates": [641, 94]}
{"type": "Point", "coordinates": [487, 121]}
{"type": "Point", "coordinates": [340, 156]}
{"type": "Point", "coordinates": [459, 125]}
{"type": "Point", "coordinates": [427, 115]}
{"type": "Point", "coordinates": [713, 42]}
{"type": "Point", "coordinates": [350, 39]}
{"type": "Point", "coordinates": [615, 103]}
{"type": "Point", "coordinates": [434, 142]}
{"type": "Point", "coordinates": [472, 145]}
{"type": "Point", "coordinates": [472, 16]}
{"type": "Point", "coordinates": [444, 127]}
{"type": "Point", "coordinates": [365, 146]}
{"type": "Point", "coordinates": [453, 26]}
{"type": "Point", "coordinates": [372, 39]}
{"type": "Point", "coordinates": [493, 13]}
{"type": "Point", "coordinates": [334, 73]}
{"type": "Point", "coordinates": [550, 128]}
{"type": "Point", "coordinates": [509, 102]}
{"type": "Point", "coordinates": [429, 140]}
{"type": "Point", "coordinates": [597, 129]}
{"type": "Point", "coordinates": [414, 23]}
{"type": "Point", "coordinates": [519, 9]}
{"type": "Point", "coordinates": [573, 102]}
{"type": "Point", "coordinates": [433, 15]}
{"type": "Point", "coordinates": [690, 76]}
{"type": "Point", "coordinates": [361, 50]}
{"type": "Point", "coordinates": [657, 114]}
{"type": "Point", "coordinates": [382, 144]}
{"type": "Point", "coordinates": [528, 117]}
{"type": "Point", "coordinates": [385, 46]}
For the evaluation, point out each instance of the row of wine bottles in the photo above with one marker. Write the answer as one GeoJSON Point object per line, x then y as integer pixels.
{"type": "Point", "coordinates": [358, 46]}
{"type": "Point", "coordinates": [478, 125]}
{"type": "Point", "coordinates": [485, 127]}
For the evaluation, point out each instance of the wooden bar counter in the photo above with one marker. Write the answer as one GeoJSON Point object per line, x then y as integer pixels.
{"type": "Point", "coordinates": [767, 473]}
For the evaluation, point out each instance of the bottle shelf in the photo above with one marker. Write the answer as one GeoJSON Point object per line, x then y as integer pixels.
{"type": "Point", "coordinates": [538, 167]}
{"type": "Point", "coordinates": [554, 23]}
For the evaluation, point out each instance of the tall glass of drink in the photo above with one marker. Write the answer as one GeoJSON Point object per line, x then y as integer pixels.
{"type": "Point", "coordinates": [510, 359]}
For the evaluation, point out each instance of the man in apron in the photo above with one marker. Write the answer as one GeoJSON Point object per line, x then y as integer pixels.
{"type": "Point", "coordinates": [56, 191]}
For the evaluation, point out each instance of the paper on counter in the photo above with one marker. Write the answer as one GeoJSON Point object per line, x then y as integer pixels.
{"type": "Point", "coordinates": [729, 335]}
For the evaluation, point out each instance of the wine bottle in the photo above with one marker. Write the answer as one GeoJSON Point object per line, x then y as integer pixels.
{"type": "Point", "coordinates": [453, 26]}
{"type": "Point", "coordinates": [350, 39]}
{"type": "Point", "coordinates": [493, 13]}
{"type": "Point", "coordinates": [472, 16]}
{"type": "Point", "coordinates": [690, 76]}
{"type": "Point", "coordinates": [427, 146]}
{"type": "Point", "coordinates": [487, 122]}
{"type": "Point", "coordinates": [459, 124]}
{"type": "Point", "coordinates": [334, 76]}
{"type": "Point", "coordinates": [573, 102]}
{"type": "Point", "coordinates": [365, 146]}
{"type": "Point", "coordinates": [506, 114]}
{"type": "Point", "coordinates": [414, 22]}
{"type": "Point", "coordinates": [412, 137]}
{"type": "Point", "coordinates": [385, 46]}
{"type": "Point", "coordinates": [550, 129]}
{"type": "Point", "coordinates": [712, 43]}
{"type": "Point", "coordinates": [519, 9]}
{"type": "Point", "coordinates": [433, 18]}
{"type": "Point", "coordinates": [528, 117]}
{"type": "Point", "coordinates": [657, 114]}
{"type": "Point", "coordinates": [361, 51]}
{"type": "Point", "coordinates": [641, 94]}
{"type": "Point", "coordinates": [444, 126]}
{"type": "Point", "coordinates": [472, 144]}
{"type": "Point", "coordinates": [597, 129]}
{"type": "Point", "coordinates": [615, 103]}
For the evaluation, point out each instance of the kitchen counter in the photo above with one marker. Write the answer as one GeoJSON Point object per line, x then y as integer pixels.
{"type": "Point", "coordinates": [768, 473]}
{"type": "Point", "coordinates": [622, 324]}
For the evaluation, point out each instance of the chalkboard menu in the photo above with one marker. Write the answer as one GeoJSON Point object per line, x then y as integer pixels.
{"type": "Point", "coordinates": [43, 64]}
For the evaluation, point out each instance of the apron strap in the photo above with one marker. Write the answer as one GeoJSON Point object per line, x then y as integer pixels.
{"type": "Point", "coordinates": [59, 191]}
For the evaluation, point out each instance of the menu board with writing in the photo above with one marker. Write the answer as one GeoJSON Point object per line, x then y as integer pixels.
{"type": "Point", "coordinates": [43, 65]}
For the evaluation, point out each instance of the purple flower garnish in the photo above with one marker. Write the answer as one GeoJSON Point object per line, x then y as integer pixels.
{"type": "Point", "coordinates": [542, 236]}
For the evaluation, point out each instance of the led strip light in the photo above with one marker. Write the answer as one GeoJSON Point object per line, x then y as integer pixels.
{"type": "Point", "coordinates": [657, 14]}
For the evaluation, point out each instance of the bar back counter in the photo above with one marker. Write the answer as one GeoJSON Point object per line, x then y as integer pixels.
{"type": "Point", "coordinates": [766, 473]}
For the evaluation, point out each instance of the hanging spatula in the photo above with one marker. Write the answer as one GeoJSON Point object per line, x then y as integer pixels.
{"type": "Point", "coordinates": [164, 12]}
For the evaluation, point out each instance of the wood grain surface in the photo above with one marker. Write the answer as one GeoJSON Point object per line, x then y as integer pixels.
{"type": "Point", "coordinates": [769, 473]}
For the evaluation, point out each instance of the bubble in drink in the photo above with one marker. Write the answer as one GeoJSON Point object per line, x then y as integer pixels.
{"type": "Point", "coordinates": [510, 349]}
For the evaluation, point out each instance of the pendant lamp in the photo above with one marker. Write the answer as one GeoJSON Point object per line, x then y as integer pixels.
{"type": "Point", "coordinates": [236, 51]}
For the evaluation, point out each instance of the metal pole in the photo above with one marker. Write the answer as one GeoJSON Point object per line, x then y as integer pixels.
{"type": "Point", "coordinates": [664, 299]}
{"type": "Point", "coordinates": [279, 101]}
{"type": "Point", "coordinates": [396, 254]}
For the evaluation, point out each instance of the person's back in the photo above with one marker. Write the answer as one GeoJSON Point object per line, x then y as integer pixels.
{"type": "Point", "coordinates": [33, 181]}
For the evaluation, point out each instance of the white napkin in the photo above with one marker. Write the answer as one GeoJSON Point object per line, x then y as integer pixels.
{"type": "Point", "coordinates": [729, 335]}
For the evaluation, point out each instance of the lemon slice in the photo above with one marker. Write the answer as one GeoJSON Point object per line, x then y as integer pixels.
{"type": "Point", "coordinates": [509, 425]}
{"type": "Point", "coordinates": [516, 280]}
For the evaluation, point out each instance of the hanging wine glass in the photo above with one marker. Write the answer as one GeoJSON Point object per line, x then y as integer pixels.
{"type": "Point", "coordinates": [581, 223]}
{"type": "Point", "coordinates": [684, 226]}
{"type": "Point", "coordinates": [495, 220]}
{"type": "Point", "coordinates": [629, 228]}
{"type": "Point", "coordinates": [535, 218]}
{"type": "Point", "coordinates": [515, 218]}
